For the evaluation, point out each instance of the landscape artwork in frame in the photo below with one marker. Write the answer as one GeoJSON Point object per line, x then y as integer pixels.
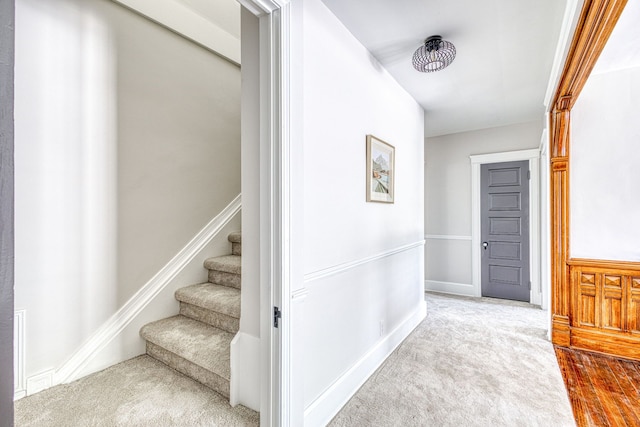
{"type": "Point", "coordinates": [380, 170]}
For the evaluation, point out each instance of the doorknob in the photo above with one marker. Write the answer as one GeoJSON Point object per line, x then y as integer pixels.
{"type": "Point", "coordinates": [485, 245]}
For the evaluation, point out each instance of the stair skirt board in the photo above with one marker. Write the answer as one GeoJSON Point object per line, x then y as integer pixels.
{"type": "Point", "coordinates": [79, 364]}
{"type": "Point", "coordinates": [190, 369]}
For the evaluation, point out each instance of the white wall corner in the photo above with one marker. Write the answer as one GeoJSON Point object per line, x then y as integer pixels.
{"type": "Point", "coordinates": [245, 371]}
{"type": "Point", "coordinates": [327, 405]}
{"type": "Point", "coordinates": [74, 367]}
{"type": "Point", "coordinates": [20, 387]}
{"type": "Point", "coordinates": [41, 381]}
{"type": "Point", "coordinates": [569, 22]}
{"type": "Point", "coordinates": [535, 236]}
{"type": "Point", "coordinates": [182, 20]}
{"type": "Point", "coordinates": [476, 227]}
{"type": "Point", "coordinates": [545, 226]}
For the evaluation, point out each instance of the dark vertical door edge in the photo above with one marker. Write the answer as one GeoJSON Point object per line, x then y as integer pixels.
{"type": "Point", "coordinates": [7, 48]}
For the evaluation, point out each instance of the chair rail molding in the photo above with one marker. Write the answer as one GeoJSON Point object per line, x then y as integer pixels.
{"type": "Point", "coordinates": [445, 237]}
{"type": "Point", "coordinates": [533, 156]}
{"type": "Point", "coordinates": [340, 268]}
{"type": "Point", "coordinates": [71, 369]}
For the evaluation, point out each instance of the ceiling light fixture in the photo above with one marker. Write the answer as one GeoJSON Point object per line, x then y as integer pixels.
{"type": "Point", "coordinates": [435, 55]}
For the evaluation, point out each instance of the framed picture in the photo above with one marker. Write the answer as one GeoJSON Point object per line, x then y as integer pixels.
{"type": "Point", "coordinates": [380, 170]}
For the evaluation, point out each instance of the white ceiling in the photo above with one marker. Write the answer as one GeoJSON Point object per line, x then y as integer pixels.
{"type": "Point", "coordinates": [505, 51]}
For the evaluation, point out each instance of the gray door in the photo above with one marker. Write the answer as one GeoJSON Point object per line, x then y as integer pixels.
{"type": "Point", "coordinates": [505, 230]}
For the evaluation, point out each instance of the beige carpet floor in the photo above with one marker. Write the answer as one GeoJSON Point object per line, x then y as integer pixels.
{"type": "Point", "coordinates": [471, 362]}
{"type": "Point", "coordinates": [138, 392]}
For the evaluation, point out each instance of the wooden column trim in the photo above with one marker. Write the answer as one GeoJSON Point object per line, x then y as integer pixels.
{"type": "Point", "coordinates": [597, 20]}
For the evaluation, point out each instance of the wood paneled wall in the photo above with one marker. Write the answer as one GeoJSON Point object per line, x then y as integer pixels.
{"type": "Point", "coordinates": [605, 306]}
{"type": "Point", "coordinates": [595, 303]}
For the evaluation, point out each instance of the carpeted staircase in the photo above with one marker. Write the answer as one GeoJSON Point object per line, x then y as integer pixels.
{"type": "Point", "coordinates": [197, 341]}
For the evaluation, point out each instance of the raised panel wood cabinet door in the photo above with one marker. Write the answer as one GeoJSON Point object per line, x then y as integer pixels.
{"type": "Point", "coordinates": [505, 230]}
{"type": "Point", "coordinates": [587, 299]}
{"type": "Point", "coordinates": [634, 306]}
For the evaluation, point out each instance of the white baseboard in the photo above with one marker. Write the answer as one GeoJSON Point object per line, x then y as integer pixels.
{"type": "Point", "coordinates": [19, 321]}
{"type": "Point", "coordinates": [327, 405]}
{"type": "Point", "coordinates": [245, 371]}
{"type": "Point", "coordinates": [450, 288]}
{"type": "Point", "coordinates": [73, 368]}
{"type": "Point", "coordinates": [39, 382]}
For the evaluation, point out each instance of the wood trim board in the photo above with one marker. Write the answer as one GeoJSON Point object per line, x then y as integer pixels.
{"type": "Point", "coordinates": [596, 22]}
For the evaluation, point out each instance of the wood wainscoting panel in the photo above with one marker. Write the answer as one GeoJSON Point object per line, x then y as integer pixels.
{"type": "Point", "coordinates": [613, 313]}
{"type": "Point", "coordinates": [633, 316]}
{"type": "Point", "coordinates": [586, 299]}
{"type": "Point", "coordinates": [606, 306]}
{"type": "Point", "coordinates": [596, 22]}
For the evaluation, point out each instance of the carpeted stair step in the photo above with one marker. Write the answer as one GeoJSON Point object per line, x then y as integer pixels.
{"type": "Point", "coordinates": [236, 242]}
{"type": "Point", "coordinates": [193, 348]}
{"type": "Point", "coordinates": [215, 305]}
{"type": "Point", "coordinates": [224, 270]}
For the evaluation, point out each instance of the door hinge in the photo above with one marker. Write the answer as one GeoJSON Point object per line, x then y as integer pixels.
{"type": "Point", "coordinates": [529, 284]}
{"type": "Point", "coordinates": [528, 174]}
{"type": "Point", "coordinates": [277, 315]}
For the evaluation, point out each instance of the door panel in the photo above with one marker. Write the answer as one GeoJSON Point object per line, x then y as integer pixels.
{"type": "Point", "coordinates": [504, 226]}
{"type": "Point", "coordinates": [505, 230]}
{"type": "Point", "coordinates": [504, 202]}
{"type": "Point", "coordinates": [504, 274]}
{"type": "Point", "coordinates": [505, 250]}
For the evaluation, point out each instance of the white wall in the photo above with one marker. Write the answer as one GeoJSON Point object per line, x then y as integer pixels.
{"type": "Point", "coordinates": [447, 186]}
{"type": "Point", "coordinates": [604, 203]}
{"type": "Point", "coordinates": [245, 348]}
{"type": "Point", "coordinates": [362, 298]}
{"type": "Point", "coordinates": [127, 145]}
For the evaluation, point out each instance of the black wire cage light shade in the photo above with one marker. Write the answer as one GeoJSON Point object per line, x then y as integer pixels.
{"type": "Point", "coordinates": [435, 55]}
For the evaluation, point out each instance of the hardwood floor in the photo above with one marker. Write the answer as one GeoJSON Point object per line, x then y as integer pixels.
{"type": "Point", "coordinates": [603, 390]}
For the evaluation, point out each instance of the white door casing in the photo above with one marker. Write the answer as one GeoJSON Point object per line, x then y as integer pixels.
{"type": "Point", "coordinates": [274, 17]}
{"type": "Point", "coordinates": [533, 156]}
